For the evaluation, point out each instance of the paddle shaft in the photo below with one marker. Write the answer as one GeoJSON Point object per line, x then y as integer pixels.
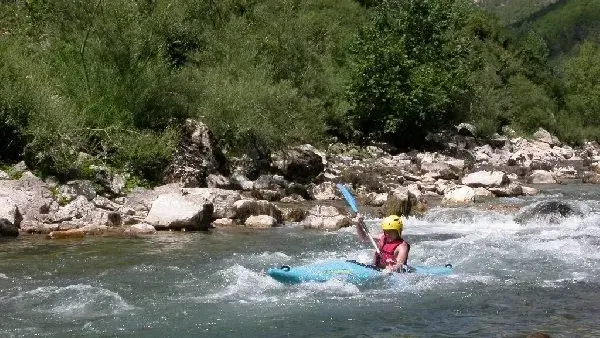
{"type": "Point", "coordinates": [352, 203]}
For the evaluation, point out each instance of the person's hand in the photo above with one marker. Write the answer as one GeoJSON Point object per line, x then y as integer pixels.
{"type": "Point", "coordinates": [358, 219]}
{"type": "Point", "coordinates": [387, 271]}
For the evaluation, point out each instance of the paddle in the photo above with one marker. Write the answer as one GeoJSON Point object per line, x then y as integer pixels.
{"type": "Point", "coordinates": [352, 203]}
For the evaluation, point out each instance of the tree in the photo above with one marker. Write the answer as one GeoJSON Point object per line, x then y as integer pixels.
{"type": "Point", "coordinates": [411, 66]}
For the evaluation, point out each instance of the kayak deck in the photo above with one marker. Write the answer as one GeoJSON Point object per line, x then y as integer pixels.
{"type": "Point", "coordinates": [346, 270]}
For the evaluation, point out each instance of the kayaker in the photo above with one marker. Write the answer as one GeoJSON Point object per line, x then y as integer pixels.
{"type": "Point", "coordinates": [394, 249]}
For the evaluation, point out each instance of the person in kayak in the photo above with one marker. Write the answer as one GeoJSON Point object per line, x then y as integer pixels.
{"type": "Point", "coordinates": [394, 249]}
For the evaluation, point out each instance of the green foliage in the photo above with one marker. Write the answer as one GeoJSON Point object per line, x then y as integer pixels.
{"type": "Point", "coordinates": [410, 73]}
{"type": "Point", "coordinates": [511, 11]}
{"type": "Point", "coordinates": [568, 24]}
{"type": "Point", "coordinates": [114, 79]}
{"type": "Point", "coordinates": [581, 114]}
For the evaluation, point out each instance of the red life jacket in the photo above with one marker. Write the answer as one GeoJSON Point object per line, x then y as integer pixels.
{"type": "Point", "coordinates": [387, 249]}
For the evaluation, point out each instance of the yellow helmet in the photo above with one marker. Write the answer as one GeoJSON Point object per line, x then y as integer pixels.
{"type": "Point", "coordinates": [392, 222]}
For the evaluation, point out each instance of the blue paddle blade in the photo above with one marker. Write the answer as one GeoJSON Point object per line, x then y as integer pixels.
{"type": "Point", "coordinates": [348, 196]}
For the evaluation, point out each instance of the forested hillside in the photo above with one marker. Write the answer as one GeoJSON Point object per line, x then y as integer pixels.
{"type": "Point", "coordinates": [115, 79]}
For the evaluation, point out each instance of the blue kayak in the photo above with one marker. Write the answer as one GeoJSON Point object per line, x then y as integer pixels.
{"type": "Point", "coordinates": [347, 271]}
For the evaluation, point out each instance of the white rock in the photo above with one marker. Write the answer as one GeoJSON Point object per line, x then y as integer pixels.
{"type": "Point", "coordinates": [173, 211]}
{"type": "Point", "coordinates": [4, 176]}
{"type": "Point", "coordinates": [485, 179]}
{"type": "Point", "coordinates": [461, 195]}
{"type": "Point", "coordinates": [224, 222]}
{"type": "Point", "coordinates": [260, 221]}
{"type": "Point", "coordinates": [9, 210]}
{"type": "Point", "coordinates": [541, 177]}
{"type": "Point", "coordinates": [529, 191]}
{"type": "Point", "coordinates": [141, 228]}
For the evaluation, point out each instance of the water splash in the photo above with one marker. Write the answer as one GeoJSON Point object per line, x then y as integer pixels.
{"type": "Point", "coordinates": [72, 301]}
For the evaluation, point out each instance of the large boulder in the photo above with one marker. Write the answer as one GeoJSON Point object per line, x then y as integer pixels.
{"type": "Point", "coordinates": [196, 157]}
{"type": "Point", "coordinates": [245, 208]}
{"type": "Point", "coordinates": [552, 211]}
{"type": "Point", "coordinates": [7, 228]}
{"type": "Point", "coordinates": [33, 199]}
{"type": "Point", "coordinates": [260, 221]}
{"type": "Point", "coordinates": [543, 135]}
{"type": "Point", "coordinates": [299, 164]}
{"type": "Point", "coordinates": [510, 190]}
{"type": "Point", "coordinates": [325, 191]}
{"type": "Point", "coordinates": [459, 196]}
{"type": "Point", "coordinates": [485, 179]}
{"type": "Point", "coordinates": [9, 211]}
{"type": "Point", "coordinates": [221, 199]}
{"type": "Point", "coordinates": [173, 211]}
{"type": "Point", "coordinates": [72, 189]}
{"type": "Point", "coordinates": [325, 217]}
{"type": "Point", "coordinates": [541, 177]}
{"type": "Point", "coordinates": [402, 201]}
{"type": "Point", "coordinates": [141, 229]}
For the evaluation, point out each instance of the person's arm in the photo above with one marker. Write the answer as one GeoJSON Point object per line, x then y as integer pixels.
{"type": "Point", "coordinates": [401, 258]}
{"type": "Point", "coordinates": [359, 223]}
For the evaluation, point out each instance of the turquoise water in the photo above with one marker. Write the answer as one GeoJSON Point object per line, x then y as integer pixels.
{"type": "Point", "coordinates": [510, 279]}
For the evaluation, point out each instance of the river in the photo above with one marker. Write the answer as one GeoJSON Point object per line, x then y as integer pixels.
{"type": "Point", "coordinates": [509, 279]}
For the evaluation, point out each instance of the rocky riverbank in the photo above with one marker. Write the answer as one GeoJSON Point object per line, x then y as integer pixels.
{"type": "Point", "coordinates": [260, 190]}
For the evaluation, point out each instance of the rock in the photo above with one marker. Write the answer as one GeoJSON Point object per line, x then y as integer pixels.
{"type": "Point", "coordinates": [377, 200]}
{"type": "Point", "coordinates": [294, 214]}
{"type": "Point", "coordinates": [508, 131]}
{"type": "Point", "coordinates": [10, 212]}
{"type": "Point", "coordinates": [105, 218]}
{"type": "Point", "coordinates": [267, 195]}
{"type": "Point", "coordinates": [325, 218]}
{"type": "Point", "coordinates": [67, 234]}
{"type": "Point", "coordinates": [529, 191]}
{"type": "Point", "coordinates": [269, 182]}
{"type": "Point", "coordinates": [223, 222]}
{"type": "Point", "coordinates": [221, 182]}
{"type": "Point", "coordinates": [172, 211]}
{"type": "Point", "coordinates": [510, 190]}
{"type": "Point", "coordinates": [196, 157]}
{"type": "Point", "coordinates": [543, 135]}
{"type": "Point", "coordinates": [441, 186]}
{"type": "Point", "coordinates": [72, 189]}
{"type": "Point", "coordinates": [541, 177]}
{"type": "Point", "coordinates": [485, 179]}
{"type": "Point", "coordinates": [466, 129]}
{"type": "Point", "coordinates": [292, 199]}
{"type": "Point", "coordinates": [106, 204]}
{"type": "Point", "coordinates": [592, 178]}
{"type": "Point", "coordinates": [568, 172]}
{"type": "Point", "coordinates": [482, 193]}
{"type": "Point", "coordinates": [552, 211]}
{"type": "Point", "coordinates": [29, 176]}
{"type": "Point", "coordinates": [325, 191]}
{"type": "Point", "coordinates": [76, 209]}
{"type": "Point", "coordinates": [221, 199]}
{"type": "Point", "coordinates": [243, 209]}
{"type": "Point", "coordinates": [141, 229]}
{"type": "Point", "coordinates": [398, 202]}
{"type": "Point", "coordinates": [437, 166]}
{"type": "Point", "coordinates": [260, 221]}
{"type": "Point", "coordinates": [498, 141]}
{"type": "Point", "coordinates": [4, 176]}
{"type": "Point", "coordinates": [538, 335]}
{"type": "Point", "coordinates": [461, 195]}
{"type": "Point", "coordinates": [112, 184]}
{"type": "Point", "coordinates": [8, 228]}
{"type": "Point", "coordinates": [299, 164]}
{"type": "Point", "coordinates": [20, 167]}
